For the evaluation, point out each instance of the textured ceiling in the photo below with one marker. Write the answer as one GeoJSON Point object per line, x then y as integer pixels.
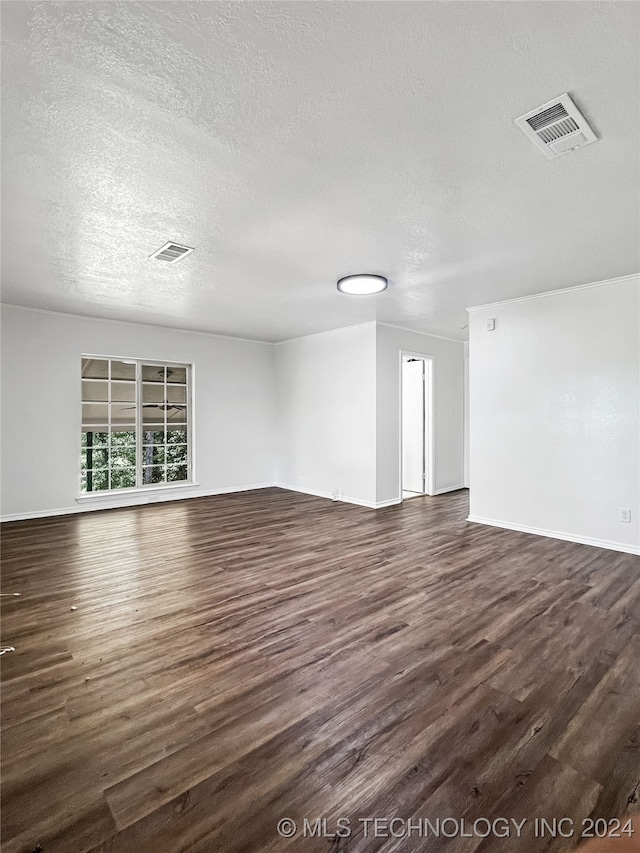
{"type": "Point", "coordinates": [294, 143]}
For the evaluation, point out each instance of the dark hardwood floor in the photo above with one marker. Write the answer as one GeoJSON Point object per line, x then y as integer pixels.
{"type": "Point", "coordinates": [237, 660]}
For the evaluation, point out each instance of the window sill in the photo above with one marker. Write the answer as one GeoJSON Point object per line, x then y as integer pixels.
{"type": "Point", "coordinates": [115, 495]}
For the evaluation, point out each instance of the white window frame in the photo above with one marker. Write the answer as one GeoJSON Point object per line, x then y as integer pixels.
{"type": "Point", "coordinates": [141, 488]}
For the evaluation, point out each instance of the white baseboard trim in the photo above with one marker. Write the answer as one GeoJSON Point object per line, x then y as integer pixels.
{"type": "Point", "coordinates": [313, 492]}
{"type": "Point", "coordinates": [555, 534]}
{"type": "Point", "coordinates": [392, 502]}
{"type": "Point", "coordinates": [49, 513]}
{"type": "Point", "coordinates": [342, 499]}
{"type": "Point", "coordinates": [316, 493]}
{"type": "Point", "coordinates": [449, 489]}
{"type": "Point", "coordinates": [133, 500]}
{"type": "Point", "coordinates": [157, 496]}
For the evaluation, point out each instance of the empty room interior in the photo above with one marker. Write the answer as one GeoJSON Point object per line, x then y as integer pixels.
{"type": "Point", "coordinates": [320, 426]}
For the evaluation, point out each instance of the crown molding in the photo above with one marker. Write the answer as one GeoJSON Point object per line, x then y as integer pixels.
{"type": "Point", "coordinates": [544, 293]}
{"type": "Point", "coordinates": [134, 323]}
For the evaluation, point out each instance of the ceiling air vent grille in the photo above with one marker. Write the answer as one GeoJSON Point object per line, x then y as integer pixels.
{"type": "Point", "coordinates": [554, 113]}
{"type": "Point", "coordinates": [171, 252]}
{"type": "Point", "coordinates": [557, 127]}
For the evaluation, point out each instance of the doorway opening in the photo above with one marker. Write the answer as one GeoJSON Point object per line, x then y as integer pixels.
{"type": "Point", "coordinates": [416, 434]}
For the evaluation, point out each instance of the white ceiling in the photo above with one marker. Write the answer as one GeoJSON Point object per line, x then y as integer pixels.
{"type": "Point", "coordinates": [293, 143]}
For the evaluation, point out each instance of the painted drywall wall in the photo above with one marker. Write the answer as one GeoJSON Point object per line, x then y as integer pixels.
{"type": "Point", "coordinates": [554, 411]}
{"type": "Point", "coordinates": [448, 370]}
{"type": "Point", "coordinates": [234, 412]}
{"type": "Point", "coordinates": [303, 414]}
{"type": "Point", "coordinates": [326, 409]}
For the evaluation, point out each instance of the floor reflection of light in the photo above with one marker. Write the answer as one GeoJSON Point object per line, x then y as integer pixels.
{"type": "Point", "coordinates": [132, 529]}
{"type": "Point", "coordinates": [119, 579]}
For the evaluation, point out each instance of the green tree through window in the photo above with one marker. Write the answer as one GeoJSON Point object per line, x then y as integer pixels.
{"type": "Point", "coordinates": [135, 424]}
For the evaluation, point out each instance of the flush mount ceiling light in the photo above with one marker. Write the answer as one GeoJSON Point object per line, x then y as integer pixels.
{"type": "Point", "coordinates": [361, 285]}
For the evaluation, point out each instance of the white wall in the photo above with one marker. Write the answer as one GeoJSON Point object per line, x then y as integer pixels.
{"type": "Point", "coordinates": [448, 370]}
{"type": "Point", "coordinates": [326, 404]}
{"type": "Point", "coordinates": [320, 414]}
{"type": "Point", "coordinates": [234, 404]}
{"type": "Point", "coordinates": [554, 408]}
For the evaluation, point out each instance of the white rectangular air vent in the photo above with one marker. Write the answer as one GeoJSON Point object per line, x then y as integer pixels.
{"type": "Point", "coordinates": [557, 127]}
{"type": "Point", "coordinates": [171, 252]}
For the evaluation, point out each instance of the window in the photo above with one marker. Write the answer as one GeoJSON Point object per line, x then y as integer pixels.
{"type": "Point", "coordinates": [135, 424]}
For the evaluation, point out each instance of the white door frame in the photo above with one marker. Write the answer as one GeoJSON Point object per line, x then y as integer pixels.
{"type": "Point", "coordinates": [429, 418]}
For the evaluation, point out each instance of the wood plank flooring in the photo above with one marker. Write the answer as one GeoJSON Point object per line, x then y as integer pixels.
{"type": "Point", "coordinates": [237, 660]}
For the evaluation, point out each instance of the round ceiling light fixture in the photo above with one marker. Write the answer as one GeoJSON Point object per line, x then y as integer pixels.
{"type": "Point", "coordinates": [363, 284]}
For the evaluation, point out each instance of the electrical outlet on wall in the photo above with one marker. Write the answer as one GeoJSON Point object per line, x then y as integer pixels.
{"type": "Point", "coordinates": [625, 514]}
